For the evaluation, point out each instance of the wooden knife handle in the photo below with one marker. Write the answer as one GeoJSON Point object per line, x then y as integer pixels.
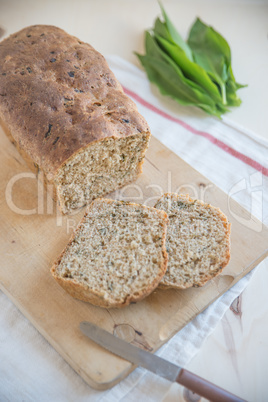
{"type": "Point", "coordinates": [205, 388]}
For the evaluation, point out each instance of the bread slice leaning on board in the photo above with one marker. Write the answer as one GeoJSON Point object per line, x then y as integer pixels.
{"type": "Point", "coordinates": [198, 241]}
{"type": "Point", "coordinates": [116, 256]}
{"type": "Point", "coordinates": [68, 115]}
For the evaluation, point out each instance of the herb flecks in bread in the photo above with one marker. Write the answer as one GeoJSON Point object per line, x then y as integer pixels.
{"type": "Point", "coordinates": [198, 241]}
{"type": "Point", "coordinates": [100, 169]}
{"type": "Point", "coordinates": [68, 114]}
{"type": "Point", "coordinates": [117, 254]}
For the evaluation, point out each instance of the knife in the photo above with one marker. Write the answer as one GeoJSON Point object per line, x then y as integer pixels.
{"type": "Point", "coordinates": [156, 364]}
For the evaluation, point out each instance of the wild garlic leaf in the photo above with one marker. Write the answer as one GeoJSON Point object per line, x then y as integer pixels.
{"type": "Point", "coordinates": [175, 34]}
{"type": "Point", "coordinates": [212, 52]}
{"type": "Point", "coordinates": [232, 78]}
{"type": "Point", "coordinates": [210, 49]}
{"type": "Point", "coordinates": [192, 89]}
{"type": "Point", "coordinates": [160, 28]}
{"type": "Point", "coordinates": [197, 72]}
{"type": "Point", "coordinates": [163, 71]}
{"type": "Point", "coordinates": [190, 69]}
{"type": "Point", "coordinates": [232, 98]}
{"type": "Point", "coordinates": [163, 75]}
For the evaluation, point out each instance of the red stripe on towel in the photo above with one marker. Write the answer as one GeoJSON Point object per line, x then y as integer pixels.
{"type": "Point", "coordinates": [244, 158]}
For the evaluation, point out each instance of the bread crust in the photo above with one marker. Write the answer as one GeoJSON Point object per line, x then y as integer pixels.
{"type": "Point", "coordinates": [165, 283]}
{"type": "Point", "coordinates": [82, 292]}
{"type": "Point", "coordinates": [58, 96]}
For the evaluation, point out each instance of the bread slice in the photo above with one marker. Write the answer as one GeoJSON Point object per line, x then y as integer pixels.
{"type": "Point", "coordinates": [198, 241]}
{"type": "Point", "coordinates": [117, 254]}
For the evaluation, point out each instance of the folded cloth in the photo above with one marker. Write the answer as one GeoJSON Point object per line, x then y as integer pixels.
{"type": "Point", "coordinates": [231, 157]}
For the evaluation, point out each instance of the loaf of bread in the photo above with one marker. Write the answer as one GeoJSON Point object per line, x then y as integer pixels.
{"type": "Point", "coordinates": [67, 113]}
{"type": "Point", "coordinates": [116, 256]}
{"type": "Point", "coordinates": [198, 241]}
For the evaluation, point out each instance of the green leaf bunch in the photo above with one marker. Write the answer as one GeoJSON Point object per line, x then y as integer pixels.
{"type": "Point", "coordinates": [197, 72]}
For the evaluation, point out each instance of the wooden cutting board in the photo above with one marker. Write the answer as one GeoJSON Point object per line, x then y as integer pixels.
{"type": "Point", "coordinates": [33, 234]}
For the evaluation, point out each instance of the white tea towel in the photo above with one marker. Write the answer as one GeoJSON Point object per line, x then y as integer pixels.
{"type": "Point", "coordinates": [231, 157]}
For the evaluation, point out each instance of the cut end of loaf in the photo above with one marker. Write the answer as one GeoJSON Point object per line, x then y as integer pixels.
{"type": "Point", "coordinates": [99, 169]}
{"type": "Point", "coordinates": [198, 241]}
{"type": "Point", "coordinates": [116, 256]}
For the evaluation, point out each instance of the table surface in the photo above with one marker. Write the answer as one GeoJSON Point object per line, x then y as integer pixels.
{"type": "Point", "coordinates": [238, 347]}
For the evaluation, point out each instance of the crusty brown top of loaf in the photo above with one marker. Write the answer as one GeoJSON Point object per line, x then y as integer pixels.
{"type": "Point", "coordinates": [57, 95]}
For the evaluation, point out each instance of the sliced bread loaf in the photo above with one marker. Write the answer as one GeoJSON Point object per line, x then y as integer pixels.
{"type": "Point", "coordinates": [117, 254]}
{"type": "Point", "coordinates": [69, 116]}
{"type": "Point", "coordinates": [198, 241]}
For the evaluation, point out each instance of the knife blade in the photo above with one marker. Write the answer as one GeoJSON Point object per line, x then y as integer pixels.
{"type": "Point", "coordinates": [156, 364]}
